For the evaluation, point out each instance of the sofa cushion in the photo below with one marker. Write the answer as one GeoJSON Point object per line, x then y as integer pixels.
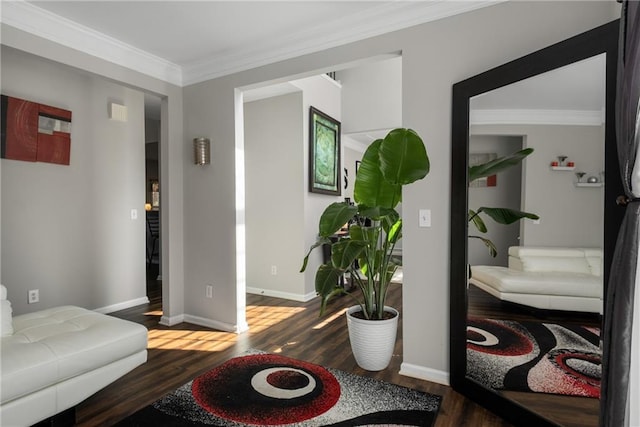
{"type": "Point", "coordinates": [556, 264]}
{"type": "Point", "coordinates": [6, 321]}
{"type": "Point", "coordinates": [56, 344]}
{"type": "Point", "coordinates": [541, 283]}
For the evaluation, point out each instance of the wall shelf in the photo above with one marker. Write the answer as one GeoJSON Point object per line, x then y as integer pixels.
{"type": "Point", "coordinates": [588, 184]}
{"type": "Point", "coordinates": [562, 168]}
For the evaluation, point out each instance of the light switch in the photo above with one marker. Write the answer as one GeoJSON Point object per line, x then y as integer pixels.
{"type": "Point", "coordinates": [425, 218]}
{"type": "Point", "coordinates": [134, 213]}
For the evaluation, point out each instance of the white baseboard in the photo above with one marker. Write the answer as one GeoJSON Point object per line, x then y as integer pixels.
{"type": "Point", "coordinates": [279, 294]}
{"type": "Point", "coordinates": [122, 305]}
{"type": "Point", "coordinates": [420, 372]}
{"type": "Point", "coordinates": [210, 323]}
{"type": "Point", "coordinates": [171, 320]}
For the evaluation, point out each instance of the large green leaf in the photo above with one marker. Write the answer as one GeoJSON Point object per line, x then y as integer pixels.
{"type": "Point", "coordinates": [475, 219]}
{"type": "Point", "coordinates": [320, 242]}
{"type": "Point", "coordinates": [497, 165]}
{"type": "Point", "coordinates": [506, 216]}
{"type": "Point", "coordinates": [371, 189]}
{"type": "Point", "coordinates": [345, 252]}
{"type": "Point", "coordinates": [334, 217]}
{"type": "Point", "coordinates": [327, 284]}
{"type": "Point", "coordinates": [393, 230]}
{"type": "Point", "coordinates": [489, 244]}
{"type": "Point", "coordinates": [403, 157]}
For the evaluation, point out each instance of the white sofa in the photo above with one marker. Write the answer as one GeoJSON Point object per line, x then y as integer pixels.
{"type": "Point", "coordinates": [53, 359]}
{"type": "Point", "coordinates": [547, 278]}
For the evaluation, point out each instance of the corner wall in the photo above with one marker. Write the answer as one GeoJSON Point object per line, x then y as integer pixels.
{"type": "Point", "coordinates": [67, 230]}
{"type": "Point", "coordinates": [434, 57]}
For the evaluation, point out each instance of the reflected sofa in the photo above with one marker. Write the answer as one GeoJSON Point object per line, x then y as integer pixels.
{"type": "Point", "coordinates": [552, 278]}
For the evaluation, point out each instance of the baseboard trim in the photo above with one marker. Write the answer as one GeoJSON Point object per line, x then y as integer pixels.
{"type": "Point", "coordinates": [279, 294]}
{"type": "Point", "coordinates": [210, 323]}
{"type": "Point", "coordinates": [171, 320]}
{"type": "Point", "coordinates": [122, 305]}
{"type": "Point", "coordinates": [422, 373]}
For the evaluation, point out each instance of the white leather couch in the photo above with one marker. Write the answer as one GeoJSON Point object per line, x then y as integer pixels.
{"type": "Point", "coordinates": [53, 359]}
{"type": "Point", "coordinates": [548, 278]}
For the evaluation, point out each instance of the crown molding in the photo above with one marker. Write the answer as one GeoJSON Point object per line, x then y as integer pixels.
{"type": "Point", "coordinates": [42, 23]}
{"type": "Point", "coordinates": [375, 21]}
{"type": "Point", "coordinates": [536, 117]}
{"type": "Point", "coordinates": [382, 19]}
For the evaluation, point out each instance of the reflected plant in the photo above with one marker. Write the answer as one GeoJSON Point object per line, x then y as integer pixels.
{"type": "Point", "coordinates": [500, 215]}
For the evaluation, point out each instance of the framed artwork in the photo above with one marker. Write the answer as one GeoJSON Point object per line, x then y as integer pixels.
{"type": "Point", "coordinates": [324, 153]}
{"type": "Point", "coordinates": [34, 132]}
{"type": "Point", "coordinates": [478, 159]}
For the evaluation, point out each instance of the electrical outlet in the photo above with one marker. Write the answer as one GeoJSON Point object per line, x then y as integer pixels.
{"type": "Point", "coordinates": [209, 291]}
{"type": "Point", "coordinates": [34, 296]}
{"type": "Point", "coordinates": [274, 270]}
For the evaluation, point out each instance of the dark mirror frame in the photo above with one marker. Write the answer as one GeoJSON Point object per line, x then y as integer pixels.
{"type": "Point", "coordinates": [603, 39]}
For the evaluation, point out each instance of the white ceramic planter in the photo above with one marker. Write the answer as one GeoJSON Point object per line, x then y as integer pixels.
{"type": "Point", "coordinates": [372, 341]}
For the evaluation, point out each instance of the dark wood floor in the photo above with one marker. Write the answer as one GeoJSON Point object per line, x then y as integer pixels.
{"type": "Point", "coordinates": [569, 411]}
{"type": "Point", "coordinates": [177, 354]}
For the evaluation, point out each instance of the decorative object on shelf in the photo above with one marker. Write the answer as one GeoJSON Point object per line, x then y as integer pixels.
{"type": "Point", "coordinates": [580, 175]}
{"type": "Point", "coordinates": [562, 164]}
{"type": "Point", "coordinates": [375, 228]}
{"type": "Point", "coordinates": [324, 153]}
{"type": "Point", "coordinates": [592, 179]}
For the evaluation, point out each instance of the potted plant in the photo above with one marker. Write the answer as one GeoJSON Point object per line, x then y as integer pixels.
{"type": "Point", "coordinates": [366, 251]}
{"type": "Point", "coordinates": [500, 215]}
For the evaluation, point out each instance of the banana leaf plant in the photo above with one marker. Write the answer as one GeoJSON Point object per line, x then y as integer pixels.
{"type": "Point", "coordinates": [375, 227]}
{"type": "Point", "coordinates": [499, 215]}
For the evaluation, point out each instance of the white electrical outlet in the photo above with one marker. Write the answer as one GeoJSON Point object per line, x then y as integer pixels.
{"type": "Point", "coordinates": [274, 270]}
{"type": "Point", "coordinates": [34, 296]}
{"type": "Point", "coordinates": [209, 291]}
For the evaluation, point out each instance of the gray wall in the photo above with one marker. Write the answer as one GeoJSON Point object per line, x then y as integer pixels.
{"type": "Point", "coordinates": [200, 212]}
{"type": "Point", "coordinates": [274, 195]}
{"type": "Point", "coordinates": [506, 194]}
{"type": "Point", "coordinates": [372, 95]}
{"type": "Point", "coordinates": [569, 216]}
{"type": "Point", "coordinates": [435, 56]}
{"type": "Point", "coordinates": [67, 230]}
{"type": "Point", "coordinates": [173, 155]}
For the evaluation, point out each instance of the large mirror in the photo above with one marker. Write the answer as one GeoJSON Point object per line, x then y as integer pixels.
{"type": "Point", "coordinates": [525, 321]}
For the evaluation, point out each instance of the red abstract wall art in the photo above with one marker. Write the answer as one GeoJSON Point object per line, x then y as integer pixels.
{"type": "Point", "coordinates": [34, 132]}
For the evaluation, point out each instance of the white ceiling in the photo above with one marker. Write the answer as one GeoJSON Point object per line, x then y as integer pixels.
{"type": "Point", "coordinates": [185, 42]}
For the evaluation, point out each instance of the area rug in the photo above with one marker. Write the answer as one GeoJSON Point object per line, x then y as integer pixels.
{"type": "Point", "coordinates": [534, 356]}
{"type": "Point", "coordinates": [262, 389]}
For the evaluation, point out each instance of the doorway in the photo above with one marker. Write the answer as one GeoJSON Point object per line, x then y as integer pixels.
{"type": "Point", "coordinates": [152, 197]}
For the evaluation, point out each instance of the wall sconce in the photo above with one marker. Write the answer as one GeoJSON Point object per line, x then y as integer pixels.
{"type": "Point", "coordinates": [201, 151]}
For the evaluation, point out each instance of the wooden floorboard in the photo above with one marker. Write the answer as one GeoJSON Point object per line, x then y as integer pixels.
{"type": "Point", "coordinates": [178, 354]}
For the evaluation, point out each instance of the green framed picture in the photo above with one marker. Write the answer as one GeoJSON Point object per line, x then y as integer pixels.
{"type": "Point", "coordinates": [324, 153]}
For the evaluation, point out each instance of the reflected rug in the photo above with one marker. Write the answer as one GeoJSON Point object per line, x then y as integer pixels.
{"type": "Point", "coordinates": [534, 356]}
{"type": "Point", "coordinates": [262, 389]}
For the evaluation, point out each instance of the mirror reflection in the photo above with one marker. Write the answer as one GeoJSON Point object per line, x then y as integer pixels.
{"type": "Point", "coordinates": [535, 305]}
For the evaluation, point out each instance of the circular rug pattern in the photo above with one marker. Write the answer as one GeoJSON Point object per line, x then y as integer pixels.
{"type": "Point", "coordinates": [266, 389]}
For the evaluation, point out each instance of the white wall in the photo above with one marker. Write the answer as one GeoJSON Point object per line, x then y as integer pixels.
{"type": "Point", "coordinates": [274, 203]}
{"type": "Point", "coordinates": [434, 56]}
{"type": "Point", "coordinates": [67, 230]}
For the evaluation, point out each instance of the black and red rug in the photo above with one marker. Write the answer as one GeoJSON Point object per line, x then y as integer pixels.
{"type": "Point", "coordinates": [534, 356]}
{"type": "Point", "coordinates": [266, 389]}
